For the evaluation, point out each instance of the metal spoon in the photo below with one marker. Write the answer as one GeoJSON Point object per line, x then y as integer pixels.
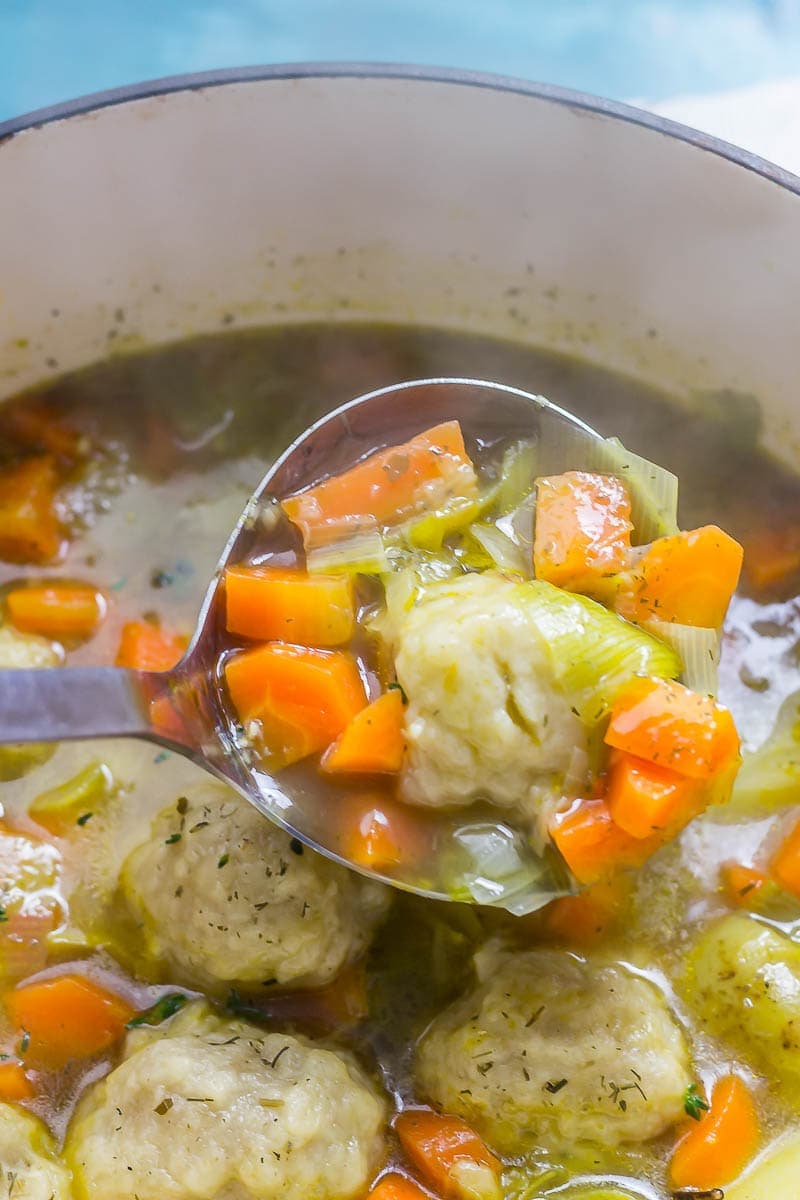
{"type": "Point", "coordinates": [184, 709]}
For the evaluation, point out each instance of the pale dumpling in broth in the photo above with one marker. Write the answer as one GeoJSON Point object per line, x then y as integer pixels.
{"type": "Point", "coordinates": [208, 1107]}
{"type": "Point", "coordinates": [223, 897]}
{"type": "Point", "coordinates": [552, 1050]}
{"type": "Point", "coordinates": [29, 1166]}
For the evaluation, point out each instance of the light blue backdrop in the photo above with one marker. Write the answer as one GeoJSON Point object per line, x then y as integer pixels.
{"type": "Point", "coordinates": [648, 50]}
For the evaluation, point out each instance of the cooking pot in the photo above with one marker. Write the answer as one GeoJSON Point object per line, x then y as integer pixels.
{"type": "Point", "coordinates": [279, 194]}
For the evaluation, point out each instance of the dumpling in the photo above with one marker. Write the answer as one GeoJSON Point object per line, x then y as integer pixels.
{"type": "Point", "coordinates": [553, 1050]}
{"type": "Point", "coordinates": [206, 1108]}
{"type": "Point", "coordinates": [225, 898]}
{"type": "Point", "coordinates": [485, 716]}
{"type": "Point", "coordinates": [29, 1167]}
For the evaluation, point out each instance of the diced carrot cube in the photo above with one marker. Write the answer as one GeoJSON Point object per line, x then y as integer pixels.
{"type": "Point", "coordinates": [147, 647]}
{"type": "Point", "coordinates": [644, 798]}
{"type": "Point", "coordinates": [688, 578]}
{"type": "Point", "coordinates": [58, 610]}
{"type": "Point", "coordinates": [302, 698]}
{"type": "Point", "coordinates": [373, 742]}
{"type": "Point", "coordinates": [66, 1017]}
{"type": "Point", "coordinates": [593, 847]}
{"type": "Point", "coordinates": [380, 833]}
{"type": "Point", "coordinates": [449, 1154]}
{"type": "Point", "coordinates": [394, 1186]}
{"type": "Point", "coordinates": [583, 528]}
{"type": "Point", "coordinates": [29, 528]}
{"type": "Point", "coordinates": [584, 919]}
{"type": "Point", "coordinates": [274, 604]}
{"type": "Point", "coordinates": [716, 1148]}
{"type": "Point", "coordinates": [744, 886]}
{"type": "Point", "coordinates": [667, 724]}
{"type": "Point", "coordinates": [785, 866]}
{"type": "Point", "coordinates": [386, 488]}
{"type": "Point", "coordinates": [14, 1083]}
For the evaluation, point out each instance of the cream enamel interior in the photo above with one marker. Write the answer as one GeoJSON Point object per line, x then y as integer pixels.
{"type": "Point", "coordinates": [403, 199]}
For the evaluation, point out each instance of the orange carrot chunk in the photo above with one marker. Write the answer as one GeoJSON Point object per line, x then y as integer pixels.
{"type": "Point", "coordinates": [35, 424]}
{"type": "Point", "coordinates": [785, 866]}
{"type": "Point", "coordinates": [14, 1083]}
{"type": "Point", "coordinates": [69, 612]}
{"type": "Point", "coordinates": [448, 1154]}
{"type": "Point", "coordinates": [146, 647]}
{"type": "Point", "coordinates": [584, 919]}
{"type": "Point", "coordinates": [380, 833]}
{"type": "Point", "coordinates": [65, 1018]}
{"type": "Point", "coordinates": [29, 529]}
{"type": "Point", "coordinates": [395, 1186]}
{"type": "Point", "coordinates": [373, 742]}
{"type": "Point", "coordinates": [772, 556]}
{"type": "Point", "coordinates": [593, 846]}
{"type": "Point", "coordinates": [272, 604]}
{"type": "Point", "coordinates": [716, 1149]}
{"type": "Point", "coordinates": [669, 725]}
{"type": "Point", "coordinates": [583, 528]}
{"type": "Point", "coordinates": [302, 698]}
{"type": "Point", "coordinates": [386, 488]}
{"type": "Point", "coordinates": [644, 798]}
{"type": "Point", "coordinates": [688, 578]}
{"type": "Point", "coordinates": [743, 886]}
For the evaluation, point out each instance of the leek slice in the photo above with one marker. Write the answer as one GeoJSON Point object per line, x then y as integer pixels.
{"type": "Point", "coordinates": [770, 776]}
{"type": "Point", "coordinates": [90, 787]}
{"type": "Point", "coordinates": [498, 549]}
{"type": "Point", "coordinates": [495, 865]}
{"type": "Point", "coordinates": [518, 472]}
{"type": "Point", "coordinates": [429, 532]}
{"type": "Point", "coordinates": [653, 491]}
{"type": "Point", "coordinates": [363, 553]}
{"type": "Point", "coordinates": [699, 650]}
{"type": "Point", "coordinates": [595, 652]}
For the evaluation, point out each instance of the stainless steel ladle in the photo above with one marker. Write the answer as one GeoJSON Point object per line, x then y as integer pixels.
{"type": "Point", "coordinates": [184, 709]}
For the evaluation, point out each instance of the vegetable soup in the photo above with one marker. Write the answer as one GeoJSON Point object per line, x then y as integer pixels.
{"type": "Point", "coordinates": [194, 1005]}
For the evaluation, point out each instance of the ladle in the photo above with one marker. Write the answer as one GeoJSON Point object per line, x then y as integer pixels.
{"type": "Point", "coordinates": [185, 709]}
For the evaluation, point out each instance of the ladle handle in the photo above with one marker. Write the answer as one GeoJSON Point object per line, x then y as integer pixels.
{"type": "Point", "coordinates": [59, 704]}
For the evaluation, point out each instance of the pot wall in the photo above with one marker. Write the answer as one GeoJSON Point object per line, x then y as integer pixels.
{"type": "Point", "coordinates": [406, 199]}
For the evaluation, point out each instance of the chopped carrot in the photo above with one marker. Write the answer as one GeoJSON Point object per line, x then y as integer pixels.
{"type": "Point", "coordinates": [302, 698]}
{"type": "Point", "coordinates": [66, 1017]}
{"type": "Point", "coordinates": [583, 528]}
{"type": "Point", "coordinates": [341, 1004]}
{"type": "Point", "coordinates": [744, 886]}
{"type": "Point", "coordinates": [584, 919]}
{"type": "Point", "coordinates": [688, 578]}
{"type": "Point", "coordinates": [380, 833]}
{"type": "Point", "coordinates": [29, 528]}
{"type": "Point", "coordinates": [785, 865]}
{"type": "Point", "coordinates": [449, 1155]}
{"type": "Point", "coordinates": [593, 847]}
{"type": "Point", "coordinates": [394, 1186]}
{"type": "Point", "coordinates": [386, 488]}
{"type": "Point", "coordinates": [146, 647]}
{"type": "Point", "coordinates": [716, 1149]}
{"type": "Point", "coordinates": [274, 604]}
{"type": "Point", "coordinates": [669, 725]}
{"type": "Point", "coordinates": [14, 1083]}
{"type": "Point", "coordinates": [65, 611]}
{"type": "Point", "coordinates": [373, 742]}
{"type": "Point", "coordinates": [772, 556]}
{"type": "Point", "coordinates": [34, 424]}
{"type": "Point", "coordinates": [644, 798]}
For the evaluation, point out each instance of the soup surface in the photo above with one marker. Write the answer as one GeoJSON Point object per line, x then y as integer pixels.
{"type": "Point", "coordinates": [193, 1006]}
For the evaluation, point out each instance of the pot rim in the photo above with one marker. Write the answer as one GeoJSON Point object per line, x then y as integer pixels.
{"type": "Point", "coordinates": [553, 93]}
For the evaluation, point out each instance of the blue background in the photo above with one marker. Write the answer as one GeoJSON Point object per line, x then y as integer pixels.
{"type": "Point", "coordinates": [646, 50]}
